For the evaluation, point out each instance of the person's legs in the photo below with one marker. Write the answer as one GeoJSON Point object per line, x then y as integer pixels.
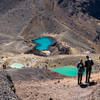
{"type": "Point", "coordinates": [81, 78]}
{"type": "Point", "coordinates": [86, 76]}
{"type": "Point", "coordinates": [78, 78]}
{"type": "Point", "coordinates": [89, 75]}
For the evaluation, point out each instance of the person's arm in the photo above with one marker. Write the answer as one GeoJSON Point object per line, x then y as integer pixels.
{"type": "Point", "coordinates": [83, 67]}
{"type": "Point", "coordinates": [85, 64]}
{"type": "Point", "coordinates": [92, 63]}
{"type": "Point", "coordinates": [78, 65]}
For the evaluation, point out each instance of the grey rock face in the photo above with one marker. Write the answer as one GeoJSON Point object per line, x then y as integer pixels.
{"type": "Point", "coordinates": [6, 87]}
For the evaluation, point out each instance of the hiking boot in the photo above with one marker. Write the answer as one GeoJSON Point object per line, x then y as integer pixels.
{"type": "Point", "coordinates": [80, 82]}
{"type": "Point", "coordinates": [86, 81]}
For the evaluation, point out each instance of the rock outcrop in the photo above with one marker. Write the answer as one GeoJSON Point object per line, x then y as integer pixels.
{"type": "Point", "coordinates": [7, 91]}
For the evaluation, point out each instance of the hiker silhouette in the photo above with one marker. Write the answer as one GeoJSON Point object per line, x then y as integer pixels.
{"type": "Point", "coordinates": [88, 64]}
{"type": "Point", "coordinates": [80, 67]}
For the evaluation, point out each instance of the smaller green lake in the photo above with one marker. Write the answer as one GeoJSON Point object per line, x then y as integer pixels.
{"type": "Point", "coordinates": [16, 65]}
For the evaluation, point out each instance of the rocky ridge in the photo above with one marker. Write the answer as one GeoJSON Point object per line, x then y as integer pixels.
{"type": "Point", "coordinates": [7, 91]}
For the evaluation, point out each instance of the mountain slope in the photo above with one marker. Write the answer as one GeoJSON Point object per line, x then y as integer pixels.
{"type": "Point", "coordinates": [72, 21]}
{"type": "Point", "coordinates": [75, 22]}
{"type": "Point", "coordinates": [14, 15]}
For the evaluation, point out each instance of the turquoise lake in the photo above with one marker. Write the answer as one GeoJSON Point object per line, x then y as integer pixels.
{"type": "Point", "coordinates": [44, 43]}
{"type": "Point", "coordinates": [70, 71]}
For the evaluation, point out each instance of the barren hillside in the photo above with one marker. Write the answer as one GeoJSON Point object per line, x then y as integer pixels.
{"type": "Point", "coordinates": [75, 22]}
{"type": "Point", "coordinates": [72, 21]}
{"type": "Point", "coordinates": [14, 15]}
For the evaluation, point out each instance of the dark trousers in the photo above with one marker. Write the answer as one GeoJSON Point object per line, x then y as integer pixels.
{"type": "Point", "coordinates": [88, 74]}
{"type": "Point", "coordinates": [80, 78]}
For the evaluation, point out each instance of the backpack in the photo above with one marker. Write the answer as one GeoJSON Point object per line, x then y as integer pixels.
{"type": "Point", "coordinates": [89, 63]}
{"type": "Point", "coordinates": [80, 67]}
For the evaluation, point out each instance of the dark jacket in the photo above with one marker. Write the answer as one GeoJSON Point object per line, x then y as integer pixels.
{"type": "Point", "coordinates": [80, 67]}
{"type": "Point", "coordinates": [88, 64]}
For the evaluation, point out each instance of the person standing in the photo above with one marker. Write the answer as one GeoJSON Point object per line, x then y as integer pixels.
{"type": "Point", "coordinates": [80, 67]}
{"type": "Point", "coordinates": [4, 65]}
{"type": "Point", "coordinates": [88, 64]}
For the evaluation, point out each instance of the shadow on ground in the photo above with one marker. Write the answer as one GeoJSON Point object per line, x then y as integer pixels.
{"type": "Point", "coordinates": [92, 83]}
{"type": "Point", "coordinates": [83, 85]}
{"type": "Point", "coordinates": [86, 85]}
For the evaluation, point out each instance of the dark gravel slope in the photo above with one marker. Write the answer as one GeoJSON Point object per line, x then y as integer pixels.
{"type": "Point", "coordinates": [6, 87]}
{"type": "Point", "coordinates": [35, 74]}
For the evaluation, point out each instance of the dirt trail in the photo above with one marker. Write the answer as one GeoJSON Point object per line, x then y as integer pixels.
{"type": "Point", "coordinates": [64, 89]}
{"type": "Point", "coordinates": [30, 84]}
